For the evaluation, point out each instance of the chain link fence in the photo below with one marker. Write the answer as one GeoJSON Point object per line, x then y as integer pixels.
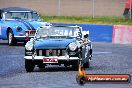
{"type": "Point", "coordinates": [92, 8]}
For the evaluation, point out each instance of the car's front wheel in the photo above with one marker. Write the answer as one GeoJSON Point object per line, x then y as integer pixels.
{"type": "Point", "coordinates": [11, 39]}
{"type": "Point", "coordinates": [86, 65]}
{"type": "Point", "coordinates": [41, 66]}
{"type": "Point", "coordinates": [29, 65]}
{"type": "Point", "coordinates": [75, 65]}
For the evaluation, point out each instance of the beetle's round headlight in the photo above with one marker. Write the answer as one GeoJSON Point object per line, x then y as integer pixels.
{"type": "Point", "coordinates": [72, 46]}
{"type": "Point", "coordinates": [18, 28]}
{"type": "Point", "coordinates": [29, 46]}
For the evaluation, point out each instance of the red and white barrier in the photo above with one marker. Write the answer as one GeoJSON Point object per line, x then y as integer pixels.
{"type": "Point", "coordinates": [122, 34]}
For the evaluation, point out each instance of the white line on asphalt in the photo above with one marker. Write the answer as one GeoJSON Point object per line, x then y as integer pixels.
{"type": "Point", "coordinates": [102, 52]}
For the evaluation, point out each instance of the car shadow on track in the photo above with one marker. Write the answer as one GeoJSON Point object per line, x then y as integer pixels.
{"type": "Point", "coordinates": [54, 69]}
{"type": "Point", "coordinates": [59, 69]}
{"type": "Point", "coordinates": [5, 42]}
{"type": "Point", "coordinates": [18, 44]}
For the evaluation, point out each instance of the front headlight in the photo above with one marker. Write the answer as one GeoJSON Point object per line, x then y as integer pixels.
{"type": "Point", "coordinates": [72, 46]}
{"type": "Point", "coordinates": [27, 34]}
{"type": "Point", "coordinates": [18, 28]}
{"type": "Point", "coordinates": [29, 45]}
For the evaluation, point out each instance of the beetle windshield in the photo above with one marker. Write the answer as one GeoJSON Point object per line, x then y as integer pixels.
{"type": "Point", "coordinates": [58, 32]}
{"type": "Point", "coordinates": [21, 15]}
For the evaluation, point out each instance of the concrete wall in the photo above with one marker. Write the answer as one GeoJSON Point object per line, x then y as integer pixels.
{"type": "Point", "coordinates": [70, 7]}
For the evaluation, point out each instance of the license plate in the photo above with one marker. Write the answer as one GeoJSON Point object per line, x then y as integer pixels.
{"type": "Point", "coordinates": [50, 60]}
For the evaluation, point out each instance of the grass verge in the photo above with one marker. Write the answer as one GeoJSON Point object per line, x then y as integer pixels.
{"type": "Point", "coordinates": [88, 20]}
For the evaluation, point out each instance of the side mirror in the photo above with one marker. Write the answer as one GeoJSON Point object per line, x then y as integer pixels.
{"type": "Point", "coordinates": [37, 37]}
{"type": "Point", "coordinates": [31, 39]}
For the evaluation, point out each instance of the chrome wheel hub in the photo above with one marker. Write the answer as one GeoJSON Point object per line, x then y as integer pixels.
{"type": "Point", "coordinates": [10, 37]}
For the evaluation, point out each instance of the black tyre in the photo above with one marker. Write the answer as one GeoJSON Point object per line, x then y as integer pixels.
{"type": "Point", "coordinates": [75, 65]}
{"type": "Point", "coordinates": [29, 65]}
{"type": "Point", "coordinates": [25, 42]}
{"type": "Point", "coordinates": [11, 39]}
{"type": "Point", "coordinates": [86, 65]}
{"type": "Point", "coordinates": [41, 66]}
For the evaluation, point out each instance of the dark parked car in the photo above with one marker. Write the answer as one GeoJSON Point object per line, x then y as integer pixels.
{"type": "Point", "coordinates": [57, 45]}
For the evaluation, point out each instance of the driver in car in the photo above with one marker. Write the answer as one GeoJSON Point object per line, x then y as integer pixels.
{"type": "Point", "coordinates": [87, 41]}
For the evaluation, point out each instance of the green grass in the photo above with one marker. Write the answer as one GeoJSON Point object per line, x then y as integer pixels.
{"type": "Point", "coordinates": [88, 20]}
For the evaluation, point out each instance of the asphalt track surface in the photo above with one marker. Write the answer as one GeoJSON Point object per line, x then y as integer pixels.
{"type": "Point", "coordinates": [107, 58]}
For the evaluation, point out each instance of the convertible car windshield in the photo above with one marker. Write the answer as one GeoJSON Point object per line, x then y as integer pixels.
{"type": "Point", "coordinates": [58, 32]}
{"type": "Point", "coordinates": [21, 15]}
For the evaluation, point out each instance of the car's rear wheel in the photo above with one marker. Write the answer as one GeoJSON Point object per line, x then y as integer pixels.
{"type": "Point", "coordinates": [11, 39]}
{"type": "Point", "coordinates": [29, 65]}
{"type": "Point", "coordinates": [75, 65]}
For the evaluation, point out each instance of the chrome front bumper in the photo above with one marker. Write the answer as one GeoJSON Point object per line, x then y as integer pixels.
{"type": "Point", "coordinates": [64, 58]}
{"type": "Point", "coordinates": [23, 36]}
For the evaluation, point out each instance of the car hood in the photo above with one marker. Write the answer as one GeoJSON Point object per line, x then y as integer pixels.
{"type": "Point", "coordinates": [36, 24]}
{"type": "Point", "coordinates": [27, 24]}
{"type": "Point", "coordinates": [52, 43]}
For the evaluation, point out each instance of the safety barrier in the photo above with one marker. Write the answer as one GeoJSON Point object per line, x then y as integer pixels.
{"type": "Point", "coordinates": [98, 33]}
{"type": "Point", "coordinates": [121, 34]}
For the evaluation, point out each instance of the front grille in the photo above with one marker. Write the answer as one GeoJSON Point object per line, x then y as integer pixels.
{"type": "Point", "coordinates": [53, 52]}
{"type": "Point", "coordinates": [31, 32]}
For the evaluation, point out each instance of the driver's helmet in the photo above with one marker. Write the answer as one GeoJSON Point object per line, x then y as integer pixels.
{"type": "Point", "coordinates": [85, 34]}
